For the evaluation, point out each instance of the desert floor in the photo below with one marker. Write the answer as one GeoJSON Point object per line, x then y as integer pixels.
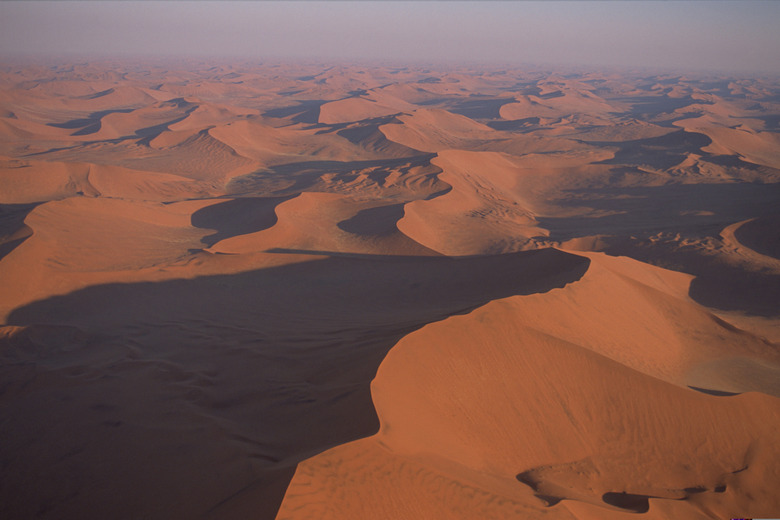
{"type": "Point", "coordinates": [305, 291]}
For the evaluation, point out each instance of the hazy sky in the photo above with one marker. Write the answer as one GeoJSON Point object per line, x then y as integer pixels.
{"type": "Point", "coordinates": [737, 35]}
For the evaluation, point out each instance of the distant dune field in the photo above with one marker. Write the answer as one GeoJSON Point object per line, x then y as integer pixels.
{"type": "Point", "coordinates": [305, 292]}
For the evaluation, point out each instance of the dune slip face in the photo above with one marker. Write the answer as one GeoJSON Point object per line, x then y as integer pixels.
{"type": "Point", "coordinates": [294, 291]}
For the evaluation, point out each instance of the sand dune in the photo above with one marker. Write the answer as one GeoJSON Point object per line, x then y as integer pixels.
{"type": "Point", "coordinates": [745, 143]}
{"type": "Point", "coordinates": [475, 421]}
{"type": "Point", "coordinates": [34, 181]}
{"type": "Point", "coordinates": [258, 141]}
{"type": "Point", "coordinates": [353, 109]}
{"type": "Point", "coordinates": [289, 290]}
{"type": "Point", "coordinates": [80, 240]}
{"type": "Point", "coordinates": [554, 102]}
{"type": "Point", "coordinates": [476, 215]}
{"type": "Point", "coordinates": [435, 130]}
{"type": "Point", "coordinates": [190, 345]}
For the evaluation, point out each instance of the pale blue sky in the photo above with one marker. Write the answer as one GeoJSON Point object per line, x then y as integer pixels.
{"type": "Point", "coordinates": [736, 35]}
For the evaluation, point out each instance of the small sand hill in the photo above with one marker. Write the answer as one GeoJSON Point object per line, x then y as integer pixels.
{"type": "Point", "coordinates": [254, 139]}
{"type": "Point", "coordinates": [123, 183]}
{"type": "Point", "coordinates": [15, 130]}
{"type": "Point", "coordinates": [205, 115]}
{"type": "Point", "coordinates": [353, 109]}
{"type": "Point", "coordinates": [387, 98]}
{"type": "Point", "coordinates": [478, 215]}
{"type": "Point", "coordinates": [26, 105]}
{"type": "Point", "coordinates": [750, 145]}
{"type": "Point", "coordinates": [75, 240]}
{"type": "Point", "coordinates": [112, 98]}
{"type": "Point", "coordinates": [506, 413]}
{"type": "Point", "coordinates": [410, 93]}
{"type": "Point", "coordinates": [397, 180]}
{"type": "Point", "coordinates": [210, 91]}
{"type": "Point", "coordinates": [329, 223]}
{"type": "Point", "coordinates": [144, 122]}
{"type": "Point", "coordinates": [197, 156]}
{"type": "Point", "coordinates": [75, 87]}
{"type": "Point", "coordinates": [25, 181]}
{"type": "Point", "coordinates": [367, 136]}
{"type": "Point", "coordinates": [556, 103]}
{"type": "Point", "coordinates": [434, 130]}
{"type": "Point", "coordinates": [736, 127]}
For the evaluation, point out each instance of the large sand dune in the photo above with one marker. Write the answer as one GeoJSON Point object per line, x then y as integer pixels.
{"type": "Point", "coordinates": [298, 291]}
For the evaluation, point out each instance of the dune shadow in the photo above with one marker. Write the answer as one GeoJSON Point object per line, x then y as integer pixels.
{"type": "Point", "coordinates": [631, 216]}
{"type": "Point", "coordinates": [149, 133]}
{"type": "Point", "coordinates": [684, 208]}
{"type": "Point", "coordinates": [13, 230]}
{"type": "Point", "coordinates": [762, 235]}
{"type": "Point", "coordinates": [307, 112]}
{"type": "Point", "coordinates": [643, 107]}
{"type": "Point", "coordinates": [478, 107]}
{"type": "Point", "coordinates": [379, 221]}
{"type": "Point", "coordinates": [729, 288]}
{"type": "Point", "coordinates": [237, 217]}
{"type": "Point", "coordinates": [661, 152]}
{"type": "Point", "coordinates": [280, 358]}
{"type": "Point", "coordinates": [634, 503]}
{"type": "Point", "coordinates": [717, 393]}
{"type": "Point", "coordinates": [531, 479]}
{"type": "Point", "coordinates": [90, 124]}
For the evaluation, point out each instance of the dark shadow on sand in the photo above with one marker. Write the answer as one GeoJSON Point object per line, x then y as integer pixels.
{"type": "Point", "coordinates": [281, 357]}
{"type": "Point", "coordinates": [695, 209]}
{"type": "Point", "coordinates": [660, 152]}
{"type": "Point", "coordinates": [13, 230]}
{"type": "Point", "coordinates": [380, 221]}
{"type": "Point", "coordinates": [478, 108]}
{"type": "Point", "coordinates": [237, 217]}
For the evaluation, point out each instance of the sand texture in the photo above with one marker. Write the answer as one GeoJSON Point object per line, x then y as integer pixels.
{"type": "Point", "coordinates": [297, 291]}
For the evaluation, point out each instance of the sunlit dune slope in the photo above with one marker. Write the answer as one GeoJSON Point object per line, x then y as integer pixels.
{"type": "Point", "coordinates": [353, 109]}
{"type": "Point", "coordinates": [81, 241]}
{"type": "Point", "coordinates": [480, 214]}
{"type": "Point", "coordinates": [27, 181]}
{"type": "Point", "coordinates": [434, 130]}
{"type": "Point", "coordinates": [509, 411]}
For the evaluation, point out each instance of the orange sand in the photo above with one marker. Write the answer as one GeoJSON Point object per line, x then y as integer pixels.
{"type": "Point", "coordinates": [291, 291]}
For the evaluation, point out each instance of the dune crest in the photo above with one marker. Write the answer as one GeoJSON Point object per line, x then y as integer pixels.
{"type": "Point", "coordinates": [480, 214]}
{"type": "Point", "coordinates": [507, 412]}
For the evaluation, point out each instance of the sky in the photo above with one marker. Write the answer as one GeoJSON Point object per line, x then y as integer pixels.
{"type": "Point", "coordinates": [734, 35]}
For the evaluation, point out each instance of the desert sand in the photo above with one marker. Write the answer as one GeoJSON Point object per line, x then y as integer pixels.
{"type": "Point", "coordinates": [299, 291]}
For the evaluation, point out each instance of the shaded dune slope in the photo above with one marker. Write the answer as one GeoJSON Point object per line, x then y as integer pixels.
{"type": "Point", "coordinates": [245, 374]}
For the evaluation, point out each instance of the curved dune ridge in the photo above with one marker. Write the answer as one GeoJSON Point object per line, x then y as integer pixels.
{"type": "Point", "coordinates": [353, 109]}
{"type": "Point", "coordinates": [295, 291]}
{"type": "Point", "coordinates": [506, 412]}
{"type": "Point", "coordinates": [433, 130]}
{"type": "Point", "coordinates": [480, 214]}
